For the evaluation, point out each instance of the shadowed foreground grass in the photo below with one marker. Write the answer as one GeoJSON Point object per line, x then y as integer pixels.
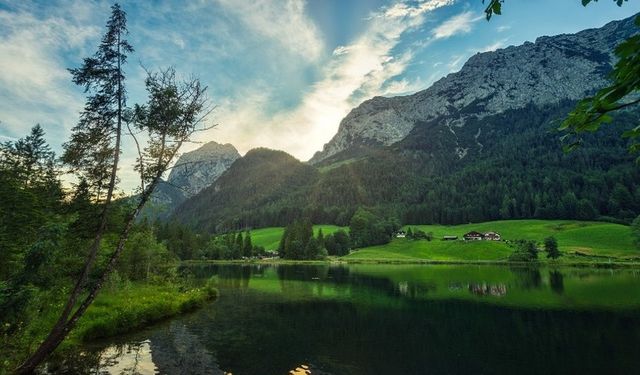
{"type": "Point", "coordinates": [115, 311]}
{"type": "Point", "coordinates": [121, 311]}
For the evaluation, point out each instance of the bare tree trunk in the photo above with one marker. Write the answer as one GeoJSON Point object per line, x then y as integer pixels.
{"type": "Point", "coordinates": [60, 331]}
{"type": "Point", "coordinates": [69, 317]}
{"type": "Point", "coordinates": [62, 327]}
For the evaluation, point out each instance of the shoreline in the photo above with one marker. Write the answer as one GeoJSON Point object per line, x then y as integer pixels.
{"type": "Point", "coordinates": [115, 313]}
{"type": "Point", "coordinates": [584, 264]}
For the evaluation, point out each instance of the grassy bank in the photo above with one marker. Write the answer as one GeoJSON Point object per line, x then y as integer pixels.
{"type": "Point", "coordinates": [580, 242]}
{"type": "Point", "coordinates": [115, 311]}
{"type": "Point", "coordinates": [588, 238]}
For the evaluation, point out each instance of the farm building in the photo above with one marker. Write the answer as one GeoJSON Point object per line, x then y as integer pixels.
{"type": "Point", "coordinates": [449, 238]}
{"type": "Point", "coordinates": [492, 236]}
{"type": "Point", "coordinates": [473, 236]}
{"type": "Point", "coordinates": [401, 234]}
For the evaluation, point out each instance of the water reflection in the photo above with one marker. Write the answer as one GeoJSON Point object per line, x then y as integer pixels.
{"type": "Point", "coordinates": [556, 281]}
{"type": "Point", "coordinates": [527, 277]}
{"type": "Point", "coordinates": [484, 289]}
{"type": "Point", "coordinates": [390, 320]}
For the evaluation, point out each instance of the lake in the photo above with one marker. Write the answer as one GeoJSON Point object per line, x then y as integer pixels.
{"type": "Point", "coordinates": [390, 319]}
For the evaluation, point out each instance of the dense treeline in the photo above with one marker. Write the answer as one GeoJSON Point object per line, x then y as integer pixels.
{"type": "Point", "coordinates": [187, 244]}
{"type": "Point", "coordinates": [298, 242]}
{"type": "Point", "coordinates": [527, 176]}
{"type": "Point", "coordinates": [45, 229]}
{"type": "Point", "coordinates": [368, 229]}
{"type": "Point", "coordinates": [513, 168]}
{"type": "Point", "coordinates": [45, 233]}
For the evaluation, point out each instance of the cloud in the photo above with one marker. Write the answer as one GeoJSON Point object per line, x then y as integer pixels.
{"type": "Point", "coordinates": [34, 83]}
{"type": "Point", "coordinates": [276, 83]}
{"type": "Point", "coordinates": [282, 21]}
{"type": "Point", "coordinates": [340, 50]}
{"type": "Point", "coordinates": [455, 62]}
{"type": "Point", "coordinates": [403, 86]}
{"type": "Point", "coordinates": [458, 24]}
{"type": "Point", "coordinates": [404, 9]}
{"type": "Point", "coordinates": [491, 47]}
{"type": "Point", "coordinates": [365, 68]}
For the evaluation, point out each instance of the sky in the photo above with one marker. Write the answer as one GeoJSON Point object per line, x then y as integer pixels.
{"type": "Point", "coordinates": [281, 73]}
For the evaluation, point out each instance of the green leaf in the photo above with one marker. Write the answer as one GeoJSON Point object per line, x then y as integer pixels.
{"type": "Point", "coordinates": [633, 133]}
{"type": "Point", "coordinates": [571, 147]}
{"type": "Point", "coordinates": [497, 8]}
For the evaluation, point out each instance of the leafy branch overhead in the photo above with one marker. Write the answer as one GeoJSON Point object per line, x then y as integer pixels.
{"type": "Point", "coordinates": [594, 111]}
{"type": "Point", "coordinates": [495, 6]}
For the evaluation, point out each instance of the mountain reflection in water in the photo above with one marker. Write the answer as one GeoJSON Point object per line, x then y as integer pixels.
{"type": "Point", "coordinates": [378, 319]}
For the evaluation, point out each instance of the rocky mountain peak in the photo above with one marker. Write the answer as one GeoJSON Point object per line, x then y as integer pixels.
{"type": "Point", "coordinates": [198, 169]}
{"type": "Point", "coordinates": [562, 67]}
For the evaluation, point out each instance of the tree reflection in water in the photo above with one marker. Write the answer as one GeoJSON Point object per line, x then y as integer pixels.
{"type": "Point", "coordinates": [364, 320]}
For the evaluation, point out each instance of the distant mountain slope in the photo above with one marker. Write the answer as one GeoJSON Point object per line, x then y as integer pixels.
{"type": "Point", "coordinates": [563, 67]}
{"type": "Point", "coordinates": [263, 180]}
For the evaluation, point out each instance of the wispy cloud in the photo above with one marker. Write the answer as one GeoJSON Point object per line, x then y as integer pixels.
{"type": "Point", "coordinates": [355, 72]}
{"type": "Point", "coordinates": [458, 24]}
{"type": "Point", "coordinates": [492, 46]}
{"type": "Point", "coordinates": [282, 21]}
{"type": "Point", "coordinates": [34, 82]}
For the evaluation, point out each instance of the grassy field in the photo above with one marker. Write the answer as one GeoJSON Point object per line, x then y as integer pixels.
{"type": "Point", "coordinates": [270, 237]}
{"type": "Point", "coordinates": [404, 249]}
{"type": "Point", "coordinates": [577, 241]}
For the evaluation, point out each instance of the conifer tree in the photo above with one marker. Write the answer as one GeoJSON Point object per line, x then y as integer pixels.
{"type": "Point", "coordinates": [551, 247]}
{"type": "Point", "coordinates": [238, 246]}
{"type": "Point", "coordinates": [172, 114]}
{"type": "Point", "coordinates": [320, 238]}
{"type": "Point", "coordinates": [247, 249]}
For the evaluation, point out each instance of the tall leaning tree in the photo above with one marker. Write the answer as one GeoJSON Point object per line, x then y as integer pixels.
{"type": "Point", "coordinates": [174, 111]}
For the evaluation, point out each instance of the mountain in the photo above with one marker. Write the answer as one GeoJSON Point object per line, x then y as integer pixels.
{"type": "Point", "coordinates": [478, 145]}
{"type": "Point", "coordinates": [198, 169]}
{"type": "Point", "coordinates": [264, 180]}
{"type": "Point", "coordinates": [192, 172]}
{"type": "Point", "coordinates": [563, 67]}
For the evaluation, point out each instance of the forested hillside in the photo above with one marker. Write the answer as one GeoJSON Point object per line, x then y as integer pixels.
{"type": "Point", "coordinates": [520, 171]}
{"type": "Point", "coordinates": [480, 144]}
{"type": "Point", "coordinates": [263, 188]}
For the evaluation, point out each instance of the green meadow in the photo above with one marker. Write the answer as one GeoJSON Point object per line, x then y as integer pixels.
{"type": "Point", "coordinates": [578, 241]}
{"type": "Point", "coordinates": [269, 238]}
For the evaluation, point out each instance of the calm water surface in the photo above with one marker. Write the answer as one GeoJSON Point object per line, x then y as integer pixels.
{"type": "Point", "coordinates": [381, 319]}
